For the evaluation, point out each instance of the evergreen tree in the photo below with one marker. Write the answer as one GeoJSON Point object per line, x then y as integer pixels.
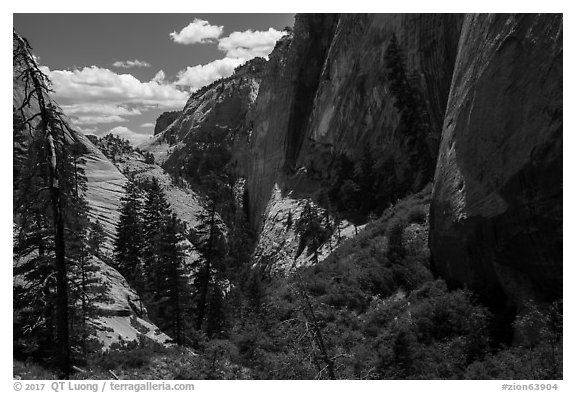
{"type": "Point", "coordinates": [172, 296]}
{"type": "Point", "coordinates": [155, 212]}
{"type": "Point", "coordinates": [96, 238]}
{"type": "Point", "coordinates": [129, 239]}
{"type": "Point", "coordinates": [414, 122]}
{"type": "Point", "coordinates": [313, 233]}
{"type": "Point", "coordinates": [209, 239]}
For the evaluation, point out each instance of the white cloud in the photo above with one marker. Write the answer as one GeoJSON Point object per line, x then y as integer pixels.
{"type": "Point", "coordinates": [147, 125]}
{"type": "Point", "coordinates": [199, 31]}
{"type": "Point", "coordinates": [249, 44]}
{"type": "Point", "coordinates": [94, 113]}
{"type": "Point", "coordinates": [94, 95]}
{"type": "Point", "coordinates": [101, 85]}
{"type": "Point", "coordinates": [201, 75]}
{"type": "Point", "coordinates": [126, 133]}
{"type": "Point", "coordinates": [160, 77]}
{"type": "Point", "coordinates": [88, 130]}
{"type": "Point", "coordinates": [131, 64]}
{"type": "Point", "coordinates": [83, 120]}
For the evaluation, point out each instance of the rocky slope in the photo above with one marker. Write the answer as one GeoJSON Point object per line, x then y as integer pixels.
{"type": "Point", "coordinates": [277, 249]}
{"type": "Point", "coordinates": [217, 110]}
{"type": "Point", "coordinates": [496, 213]}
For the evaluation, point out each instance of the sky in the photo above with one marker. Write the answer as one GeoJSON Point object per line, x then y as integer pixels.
{"type": "Point", "coordinates": [118, 72]}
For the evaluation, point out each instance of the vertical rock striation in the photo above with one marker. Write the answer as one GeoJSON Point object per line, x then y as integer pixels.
{"type": "Point", "coordinates": [328, 91]}
{"type": "Point", "coordinates": [283, 105]}
{"type": "Point", "coordinates": [496, 214]}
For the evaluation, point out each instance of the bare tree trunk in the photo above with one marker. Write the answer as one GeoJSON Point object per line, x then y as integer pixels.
{"type": "Point", "coordinates": [317, 331]}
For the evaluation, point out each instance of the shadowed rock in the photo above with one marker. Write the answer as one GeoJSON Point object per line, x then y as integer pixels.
{"type": "Point", "coordinates": [496, 214]}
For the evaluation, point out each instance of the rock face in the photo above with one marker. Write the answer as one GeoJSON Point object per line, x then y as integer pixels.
{"type": "Point", "coordinates": [496, 214]}
{"type": "Point", "coordinates": [164, 120]}
{"type": "Point", "coordinates": [283, 106]}
{"type": "Point", "coordinates": [329, 91]}
{"type": "Point", "coordinates": [215, 111]}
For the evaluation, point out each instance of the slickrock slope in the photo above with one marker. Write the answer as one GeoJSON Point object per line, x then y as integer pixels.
{"type": "Point", "coordinates": [496, 216]}
{"type": "Point", "coordinates": [277, 247]}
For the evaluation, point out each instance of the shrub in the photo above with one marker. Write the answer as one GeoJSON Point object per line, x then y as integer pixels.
{"type": "Point", "coordinates": [417, 215]}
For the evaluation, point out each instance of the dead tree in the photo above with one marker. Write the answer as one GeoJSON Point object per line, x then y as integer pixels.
{"type": "Point", "coordinates": [316, 330]}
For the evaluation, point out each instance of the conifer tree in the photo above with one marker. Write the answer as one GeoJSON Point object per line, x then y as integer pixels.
{"type": "Point", "coordinates": [43, 196]}
{"type": "Point", "coordinates": [313, 233]}
{"type": "Point", "coordinates": [130, 240]}
{"type": "Point", "coordinates": [209, 240]}
{"type": "Point", "coordinates": [96, 238]}
{"type": "Point", "coordinates": [172, 296]}
{"type": "Point", "coordinates": [155, 212]}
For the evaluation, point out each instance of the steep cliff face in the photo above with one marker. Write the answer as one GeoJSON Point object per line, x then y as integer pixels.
{"type": "Point", "coordinates": [364, 71]}
{"type": "Point", "coordinates": [374, 62]}
{"type": "Point", "coordinates": [496, 214]}
{"type": "Point", "coordinates": [283, 106]}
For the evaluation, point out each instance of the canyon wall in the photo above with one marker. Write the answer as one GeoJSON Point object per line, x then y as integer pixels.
{"type": "Point", "coordinates": [338, 87]}
{"type": "Point", "coordinates": [496, 214]}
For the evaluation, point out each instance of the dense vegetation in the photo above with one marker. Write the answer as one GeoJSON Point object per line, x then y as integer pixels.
{"type": "Point", "coordinates": [371, 310]}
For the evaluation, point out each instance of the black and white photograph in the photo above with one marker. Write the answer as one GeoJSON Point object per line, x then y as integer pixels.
{"type": "Point", "coordinates": [287, 196]}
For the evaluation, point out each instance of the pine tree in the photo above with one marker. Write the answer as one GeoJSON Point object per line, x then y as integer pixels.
{"type": "Point", "coordinates": [172, 296]}
{"type": "Point", "coordinates": [96, 238]}
{"type": "Point", "coordinates": [313, 233]}
{"type": "Point", "coordinates": [129, 239]}
{"type": "Point", "coordinates": [209, 240]}
{"type": "Point", "coordinates": [155, 212]}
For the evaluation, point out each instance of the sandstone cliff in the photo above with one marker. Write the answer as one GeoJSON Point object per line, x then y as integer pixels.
{"type": "Point", "coordinates": [496, 215]}
{"type": "Point", "coordinates": [348, 97]}
{"type": "Point", "coordinates": [284, 103]}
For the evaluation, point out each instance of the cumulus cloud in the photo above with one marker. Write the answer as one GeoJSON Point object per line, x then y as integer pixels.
{"type": "Point", "coordinates": [199, 31]}
{"type": "Point", "coordinates": [94, 113]}
{"type": "Point", "coordinates": [160, 77]}
{"type": "Point", "coordinates": [94, 95]}
{"type": "Point", "coordinates": [83, 120]}
{"type": "Point", "coordinates": [103, 109]}
{"type": "Point", "coordinates": [203, 74]}
{"type": "Point", "coordinates": [126, 133]}
{"type": "Point", "coordinates": [101, 85]}
{"type": "Point", "coordinates": [249, 44]}
{"type": "Point", "coordinates": [147, 125]}
{"type": "Point", "coordinates": [131, 64]}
